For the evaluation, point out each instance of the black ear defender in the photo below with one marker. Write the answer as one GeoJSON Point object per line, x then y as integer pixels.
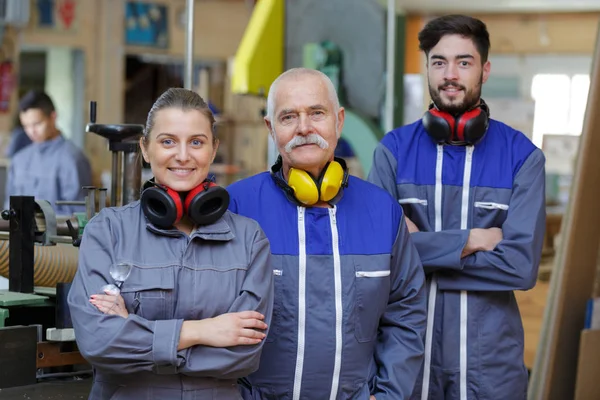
{"type": "Point", "coordinates": [164, 207]}
{"type": "Point", "coordinates": [467, 128]}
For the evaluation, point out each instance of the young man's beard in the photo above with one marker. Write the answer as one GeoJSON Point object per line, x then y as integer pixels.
{"type": "Point", "coordinates": [471, 98]}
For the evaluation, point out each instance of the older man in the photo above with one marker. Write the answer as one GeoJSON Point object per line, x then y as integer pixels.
{"type": "Point", "coordinates": [350, 307]}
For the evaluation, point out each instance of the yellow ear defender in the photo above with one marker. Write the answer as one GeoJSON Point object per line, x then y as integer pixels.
{"type": "Point", "coordinates": [309, 190]}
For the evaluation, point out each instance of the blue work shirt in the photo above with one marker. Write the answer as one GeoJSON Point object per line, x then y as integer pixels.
{"type": "Point", "coordinates": [52, 170]}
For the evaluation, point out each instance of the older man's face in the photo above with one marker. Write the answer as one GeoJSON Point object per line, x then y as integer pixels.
{"type": "Point", "coordinates": [304, 123]}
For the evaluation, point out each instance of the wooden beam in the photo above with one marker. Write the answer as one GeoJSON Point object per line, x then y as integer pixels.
{"type": "Point", "coordinates": [572, 283]}
{"type": "Point", "coordinates": [50, 355]}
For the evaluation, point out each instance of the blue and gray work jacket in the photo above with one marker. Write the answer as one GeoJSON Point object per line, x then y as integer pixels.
{"type": "Point", "coordinates": [474, 342]}
{"type": "Point", "coordinates": [350, 306]}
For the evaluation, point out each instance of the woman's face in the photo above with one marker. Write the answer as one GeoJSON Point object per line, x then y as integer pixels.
{"type": "Point", "coordinates": [180, 148]}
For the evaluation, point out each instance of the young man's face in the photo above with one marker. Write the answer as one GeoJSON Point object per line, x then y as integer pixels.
{"type": "Point", "coordinates": [39, 126]}
{"type": "Point", "coordinates": [455, 74]}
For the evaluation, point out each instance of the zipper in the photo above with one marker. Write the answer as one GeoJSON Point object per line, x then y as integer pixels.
{"type": "Point", "coordinates": [339, 309]}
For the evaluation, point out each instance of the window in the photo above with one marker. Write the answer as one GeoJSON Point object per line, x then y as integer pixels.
{"type": "Point", "coordinates": [560, 102]}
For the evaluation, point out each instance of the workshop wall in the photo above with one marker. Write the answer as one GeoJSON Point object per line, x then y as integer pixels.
{"type": "Point", "coordinates": [573, 33]}
{"type": "Point", "coordinates": [9, 51]}
{"type": "Point", "coordinates": [98, 28]}
{"type": "Point", "coordinates": [542, 33]}
{"type": "Point", "coordinates": [563, 39]}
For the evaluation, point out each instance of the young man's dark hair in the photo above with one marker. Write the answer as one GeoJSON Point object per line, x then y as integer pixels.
{"type": "Point", "coordinates": [38, 100]}
{"type": "Point", "coordinates": [462, 25]}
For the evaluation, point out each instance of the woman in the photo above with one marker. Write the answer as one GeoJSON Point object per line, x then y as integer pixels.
{"type": "Point", "coordinates": [194, 310]}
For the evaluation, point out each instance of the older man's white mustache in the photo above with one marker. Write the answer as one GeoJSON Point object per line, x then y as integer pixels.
{"type": "Point", "coordinates": [312, 138]}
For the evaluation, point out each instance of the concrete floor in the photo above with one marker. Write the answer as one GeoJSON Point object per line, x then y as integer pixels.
{"type": "Point", "coordinates": [52, 390]}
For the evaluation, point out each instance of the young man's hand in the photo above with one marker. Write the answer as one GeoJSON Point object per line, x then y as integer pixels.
{"type": "Point", "coordinates": [482, 240]}
{"type": "Point", "coordinates": [411, 225]}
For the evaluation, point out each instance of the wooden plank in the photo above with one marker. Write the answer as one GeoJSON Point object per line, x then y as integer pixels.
{"type": "Point", "coordinates": [50, 355]}
{"type": "Point", "coordinates": [589, 364]}
{"type": "Point", "coordinates": [532, 304]}
{"type": "Point", "coordinates": [572, 280]}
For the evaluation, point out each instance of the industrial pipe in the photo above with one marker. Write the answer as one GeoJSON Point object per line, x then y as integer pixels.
{"type": "Point", "coordinates": [51, 264]}
{"type": "Point", "coordinates": [62, 229]}
{"type": "Point", "coordinates": [390, 66]}
{"type": "Point", "coordinates": [115, 179]}
{"type": "Point", "coordinates": [132, 177]}
{"type": "Point", "coordinates": [189, 45]}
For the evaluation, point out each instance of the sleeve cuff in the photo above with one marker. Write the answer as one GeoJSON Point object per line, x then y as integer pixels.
{"type": "Point", "coordinates": [164, 346]}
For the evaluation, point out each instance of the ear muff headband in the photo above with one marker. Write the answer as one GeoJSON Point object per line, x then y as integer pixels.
{"type": "Point", "coordinates": [331, 181]}
{"type": "Point", "coordinates": [468, 127]}
{"type": "Point", "coordinates": [465, 131]}
{"type": "Point", "coordinates": [303, 185]}
{"type": "Point", "coordinates": [161, 205]}
{"type": "Point", "coordinates": [307, 190]}
{"type": "Point", "coordinates": [164, 207]}
{"type": "Point", "coordinates": [207, 203]}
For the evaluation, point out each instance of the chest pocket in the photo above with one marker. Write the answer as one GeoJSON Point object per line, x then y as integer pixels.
{"type": "Point", "coordinates": [415, 204]}
{"type": "Point", "coordinates": [148, 292]}
{"type": "Point", "coordinates": [490, 207]}
{"type": "Point", "coordinates": [372, 290]}
{"type": "Point", "coordinates": [274, 329]}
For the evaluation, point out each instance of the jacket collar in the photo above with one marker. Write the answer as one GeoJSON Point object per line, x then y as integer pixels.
{"type": "Point", "coordinates": [217, 231]}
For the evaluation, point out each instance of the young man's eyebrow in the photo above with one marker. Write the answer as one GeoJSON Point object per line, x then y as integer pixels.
{"type": "Point", "coordinates": [458, 57]}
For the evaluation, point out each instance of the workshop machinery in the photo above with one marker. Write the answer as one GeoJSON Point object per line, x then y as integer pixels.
{"type": "Point", "coordinates": [358, 44]}
{"type": "Point", "coordinates": [38, 255]}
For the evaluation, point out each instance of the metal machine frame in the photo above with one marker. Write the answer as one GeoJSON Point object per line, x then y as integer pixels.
{"type": "Point", "coordinates": [37, 320]}
{"type": "Point", "coordinates": [36, 333]}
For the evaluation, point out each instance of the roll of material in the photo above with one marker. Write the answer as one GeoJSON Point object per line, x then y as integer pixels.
{"type": "Point", "coordinates": [51, 264]}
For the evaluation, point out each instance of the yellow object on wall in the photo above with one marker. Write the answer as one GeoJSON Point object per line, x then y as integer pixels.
{"type": "Point", "coordinates": [259, 58]}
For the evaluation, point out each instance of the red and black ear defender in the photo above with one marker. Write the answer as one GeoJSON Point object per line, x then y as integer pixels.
{"type": "Point", "coordinates": [164, 207]}
{"type": "Point", "coordinates": [467, 128]}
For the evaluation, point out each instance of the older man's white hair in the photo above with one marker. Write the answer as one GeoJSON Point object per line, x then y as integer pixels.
{"type": "Point", "coordinates": [296, 73]}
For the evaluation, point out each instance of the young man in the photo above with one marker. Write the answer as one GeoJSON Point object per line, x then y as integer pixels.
{"type": "Point", "coordinates": [473, 190]}
{"type": "Point", "coordinates": [50, 168]}
{"type": "Point", "coordinates": [350, 308]}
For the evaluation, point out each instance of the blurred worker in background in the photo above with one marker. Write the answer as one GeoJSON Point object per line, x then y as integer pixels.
{"type": "Point", "coordinates": [50, 168]}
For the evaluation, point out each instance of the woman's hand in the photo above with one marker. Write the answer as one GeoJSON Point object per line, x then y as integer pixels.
{"type": "Point", "coordinates": [226, 330]}
{"type": "Point", "coordinates": [110, 304]}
